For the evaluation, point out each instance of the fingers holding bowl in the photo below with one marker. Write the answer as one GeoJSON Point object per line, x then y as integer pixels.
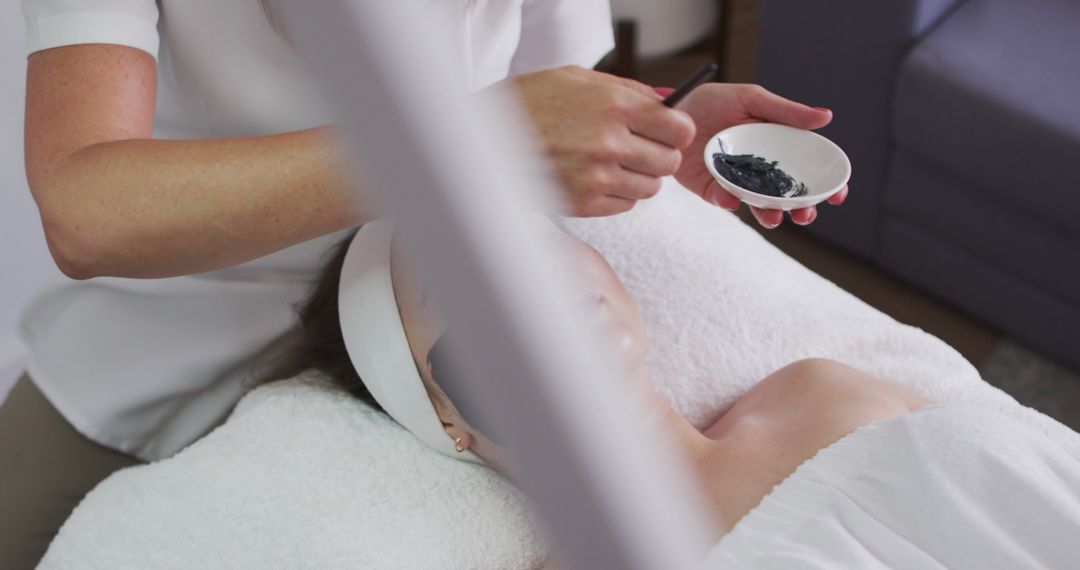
{"type": "Point", "coordinates": [769, 219]}
{"type": "Point", "coordinates": [816, 164]}
{"type": "Point", "coordinates": [715, 194]}
{"type": "Point", "coordinates": [804, 216]}
{"type": "Point", "coordinates": [839, 197]}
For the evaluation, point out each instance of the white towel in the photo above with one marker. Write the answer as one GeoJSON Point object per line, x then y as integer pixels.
{"type": "Point", "coordinates": [302, 479]}
{"type": "Point", "coordinates": [949, 486]}
{"type": "Point", "coordinates": [725, 308]}
{"type": "Point", "coordinates": [301, 476]}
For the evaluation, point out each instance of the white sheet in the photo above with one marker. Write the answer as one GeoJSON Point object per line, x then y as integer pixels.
{"type": "Point", "coordinates": [950, 486]}
{"type": "Point", "coordinates": [300, 479]}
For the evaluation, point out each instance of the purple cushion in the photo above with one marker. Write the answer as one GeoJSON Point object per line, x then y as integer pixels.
{"type": "Point", "coordinates": [982, 288]}
{"type": "Point", "coordinates": [992, 97]}
{"type": "Point", "coordinates": [1037, 254]}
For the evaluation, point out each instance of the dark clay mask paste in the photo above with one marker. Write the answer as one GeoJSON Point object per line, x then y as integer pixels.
{"type": "Point", "coordinates": [757, 174]}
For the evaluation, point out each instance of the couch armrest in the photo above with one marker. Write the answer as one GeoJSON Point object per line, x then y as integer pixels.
{"type": "Point", "coordinates": [845, 54]}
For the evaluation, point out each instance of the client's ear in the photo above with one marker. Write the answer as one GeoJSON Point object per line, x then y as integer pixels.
{"type": "Point", "coordinates": [462, 438]}
{"type": "Point", "coordinates": [451, 419]}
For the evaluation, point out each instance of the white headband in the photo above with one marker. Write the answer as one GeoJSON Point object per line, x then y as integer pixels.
{"type": "Point", "coordinates": [376, 342]}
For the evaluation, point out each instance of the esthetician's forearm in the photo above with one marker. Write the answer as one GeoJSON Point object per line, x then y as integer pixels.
{"type": "Point", "coordinates": [115, 202]}
{"type": "Point", "coordinates": [159, 208]}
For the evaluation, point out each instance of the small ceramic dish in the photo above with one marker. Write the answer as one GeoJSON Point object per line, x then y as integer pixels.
{"type": "Point", "coordinates": [806, 156]}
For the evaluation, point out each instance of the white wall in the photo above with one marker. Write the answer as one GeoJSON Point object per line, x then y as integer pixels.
{"type": "Point", "coordinates": [24, 259]}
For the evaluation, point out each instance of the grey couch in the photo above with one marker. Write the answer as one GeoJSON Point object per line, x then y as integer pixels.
{"type": "Point", "coordinates": [962, 120]}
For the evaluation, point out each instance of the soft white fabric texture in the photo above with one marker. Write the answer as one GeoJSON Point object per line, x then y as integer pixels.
{"type": "Point", "coordinates": [222, 71]}
{"type": "Point", "coordinates": [950, 486]}
{"type": "Point", "coordinates": [301, 476]}
{"type": "Point", "coordinates": [303, 479]}
{"type": "Point", "coordinates": [375, 338]}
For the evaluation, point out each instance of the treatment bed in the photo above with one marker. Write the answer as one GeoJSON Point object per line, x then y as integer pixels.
{"type": "Point", "coordinates": [303, 476]}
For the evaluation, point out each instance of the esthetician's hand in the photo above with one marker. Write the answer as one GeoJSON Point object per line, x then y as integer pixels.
{"type": "Point", "coordinates": [717, 106]}
{"type": "Point", "coordinates": [609, 138]}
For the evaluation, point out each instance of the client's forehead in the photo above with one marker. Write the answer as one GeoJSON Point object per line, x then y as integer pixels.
{"type": "Point", "coordinates": [421, 320]}
{"type": "Point", "coordinates": [420, 316]}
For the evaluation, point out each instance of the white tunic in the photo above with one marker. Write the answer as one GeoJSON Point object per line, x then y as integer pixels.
{"type": "Point", "coordinates": [147, 366]}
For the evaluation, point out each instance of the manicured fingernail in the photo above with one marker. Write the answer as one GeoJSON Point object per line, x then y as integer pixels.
{"type": "Point", "coordinates": [716, 201]}
{"type": "Point", "coordinates": [826, 109]}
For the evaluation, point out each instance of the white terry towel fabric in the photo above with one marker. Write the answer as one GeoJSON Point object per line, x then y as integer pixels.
{"type": "Point", "coordinates": [279, 487]}
{"type": "Point", "coordinates": [725, 308]}
{"type": "Point", "coordinates": [949, 486]}
{"type": "Point", "coordinates": [302, 476]}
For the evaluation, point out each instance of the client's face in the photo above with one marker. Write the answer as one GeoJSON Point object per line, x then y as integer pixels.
{"type": "Point", "coordinates": [603, 299]}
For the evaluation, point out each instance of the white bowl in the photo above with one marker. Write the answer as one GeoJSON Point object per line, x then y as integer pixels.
{"type": "Point", "coordinates": [806, 156]}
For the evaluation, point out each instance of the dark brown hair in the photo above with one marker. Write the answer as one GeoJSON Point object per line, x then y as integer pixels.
{"type": "Point", "coordinates": [317, 343]}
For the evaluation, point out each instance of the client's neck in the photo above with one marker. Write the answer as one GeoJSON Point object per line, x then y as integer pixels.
{"type": "Point", "coordinates": [700, 450]}
{"type": "Point", "coordinates": [689, 438]}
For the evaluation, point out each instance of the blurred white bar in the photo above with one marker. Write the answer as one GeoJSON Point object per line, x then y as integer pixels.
{"type": "Point", "coordinates": [609, 485]}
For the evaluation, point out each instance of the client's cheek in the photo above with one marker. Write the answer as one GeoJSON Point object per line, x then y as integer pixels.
{"type": "Point", "coordinates": [626, 342]}
{"type": "Point", "coordinates": [635, 346]}
{"type": "Point", "coordinates": [612, 326]}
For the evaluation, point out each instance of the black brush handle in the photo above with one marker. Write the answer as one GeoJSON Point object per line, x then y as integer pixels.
{"type": "Point", "coordinates": [700, 76]}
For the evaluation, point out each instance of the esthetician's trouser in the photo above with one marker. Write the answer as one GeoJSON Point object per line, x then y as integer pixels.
{"type": "Point", "coordinates": [46, 467]}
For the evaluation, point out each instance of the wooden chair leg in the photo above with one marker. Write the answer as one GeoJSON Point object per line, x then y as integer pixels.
{"type": "Point", "coordinates": [626, 60]}
{"type": "Point", "coordinates": [722, 38]}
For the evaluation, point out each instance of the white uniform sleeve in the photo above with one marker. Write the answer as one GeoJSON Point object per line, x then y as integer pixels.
{"type": "Point", "coordinates": [563, 32]}
{"type": "Point", "coordinates": [55, 23]}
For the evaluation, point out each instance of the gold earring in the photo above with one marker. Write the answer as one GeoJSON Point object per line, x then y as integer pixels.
{"type": "Point", "coordinates": [457, 445]}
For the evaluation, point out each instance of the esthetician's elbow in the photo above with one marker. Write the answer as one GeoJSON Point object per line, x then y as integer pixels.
{"type": "Point", "coordinates": [72, 245]}
{"type": "Point", "coordinates": [70, 255]}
